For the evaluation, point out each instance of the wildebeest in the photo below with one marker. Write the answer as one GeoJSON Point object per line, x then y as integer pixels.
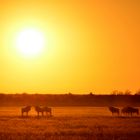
{"type": "Point", "coordinates": [39, 110]}
{"type": "Point", "coordinates": [130, 110]}
{"type": "Point", "coordinates": [47, 110]}
{"type": "Point", "coordinates": [26, 110]}
{"type": "Point", "coordinates": [114, 110]}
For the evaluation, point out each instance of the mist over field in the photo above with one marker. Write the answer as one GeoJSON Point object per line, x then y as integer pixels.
{"type": "Point", "coordinates": [74, 117]}
{"type": "Point", "coordinates": [68, 123]}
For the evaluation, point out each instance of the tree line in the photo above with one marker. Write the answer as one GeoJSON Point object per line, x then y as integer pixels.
{"type": "Point", "coordinates": [69, 99]}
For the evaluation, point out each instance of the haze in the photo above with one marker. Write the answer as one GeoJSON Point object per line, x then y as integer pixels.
{"type": "Point", "coordinates": [90, 46]}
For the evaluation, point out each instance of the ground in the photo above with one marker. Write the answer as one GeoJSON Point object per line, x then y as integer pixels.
{"type": "Point", "coordinates": [68, 123]}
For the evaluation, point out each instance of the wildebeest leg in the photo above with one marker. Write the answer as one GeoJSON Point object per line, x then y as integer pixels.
{"type": "Point", "coordinates": [42, 113]}
{"type": "Point", "coordinates": [118, 113]}
{"type": "Point", "coordinates": [22, 113]}
{"type": "Point", "coordinates": [46, 113]}
{"type": "Point", "coordinates": [50, 113]}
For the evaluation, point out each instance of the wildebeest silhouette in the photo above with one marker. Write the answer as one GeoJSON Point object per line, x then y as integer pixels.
{"type": "Point", "coordinates": [41, 110]}
{"type": "Point", "coordinates": [114, 110]}
{"type": "Point", "coordinates": [130, 110]}
{"type": "Point", "coordinates": [47, 110]}
{"type": "Point", "coordinates": [25, 110]}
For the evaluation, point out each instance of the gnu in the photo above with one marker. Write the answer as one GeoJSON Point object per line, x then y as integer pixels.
{"type": "Point", "coordinates": [25, 110]}
{"type": "Point", "coordinates": [130, 110]}
{"type": "Point", "coordinates": [114, 110]}
{"type": "Point", "coordinates": [47, 110]}
{"type": "Point", "coordinates": [41, 110]}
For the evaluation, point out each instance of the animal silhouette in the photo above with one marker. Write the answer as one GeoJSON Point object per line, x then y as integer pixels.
{"type": "Point", "coordinates": [114, 110]}
{"type": "Point", "coordinates": [130, 110]}
{"type": "Point", "coordinates": [25, 110]}
{"type": "Point", "coordinates": [39, 110]}
{"type": "Point", "coordinates": [47, 110]}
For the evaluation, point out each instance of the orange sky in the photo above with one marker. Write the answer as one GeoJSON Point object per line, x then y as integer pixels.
{"type": "Point", "coordinates": [92, 45]}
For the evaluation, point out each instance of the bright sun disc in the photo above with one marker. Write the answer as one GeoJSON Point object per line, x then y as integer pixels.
{"type": "Point", "coordinates": [30, 42]}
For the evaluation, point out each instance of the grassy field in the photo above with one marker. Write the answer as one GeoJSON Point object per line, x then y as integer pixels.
{"type": "Point", "coordinates": [68, 123]}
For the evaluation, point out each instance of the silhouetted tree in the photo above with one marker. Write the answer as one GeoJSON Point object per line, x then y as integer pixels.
{"type": "Point", "coordinates": [127, 92]}
{"type": "Point", "coordinates": [137, 92]}
{"type": "Point", "coordinates": [69, 93]}
{"type": "Point", "coordinates": [91, 94]}
{"type": "Point", "coordinates": [116, 92]}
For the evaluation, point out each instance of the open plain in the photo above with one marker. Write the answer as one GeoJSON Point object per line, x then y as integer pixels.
{"type": "Point", "coordinates": [72, 123]}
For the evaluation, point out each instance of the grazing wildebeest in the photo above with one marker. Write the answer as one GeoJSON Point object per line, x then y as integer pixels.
{"type": "Point", "coordinates": [114, 110]}
{"type": "Point", "coordinates": [39, 109]}
{"type": "Point", "coordinates": [130, 110]}
{"type": "Point", "coordinates": [25, 109]}
{"type": "Point", "coordinates": [47, 110]}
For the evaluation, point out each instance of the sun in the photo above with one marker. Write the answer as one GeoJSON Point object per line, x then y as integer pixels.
{"type": "Point", "coordinates": [30, 42]}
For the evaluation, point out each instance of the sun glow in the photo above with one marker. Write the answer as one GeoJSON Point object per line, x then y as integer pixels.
{"type": "Point", "coordinates": [30, 42]}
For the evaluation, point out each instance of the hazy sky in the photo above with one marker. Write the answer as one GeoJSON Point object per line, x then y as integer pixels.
{"type": "Point", "coordinates": [91, 45]}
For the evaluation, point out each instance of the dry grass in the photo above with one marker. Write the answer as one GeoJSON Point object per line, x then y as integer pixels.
{"type": "Point", "coordinates": [72, 123]}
